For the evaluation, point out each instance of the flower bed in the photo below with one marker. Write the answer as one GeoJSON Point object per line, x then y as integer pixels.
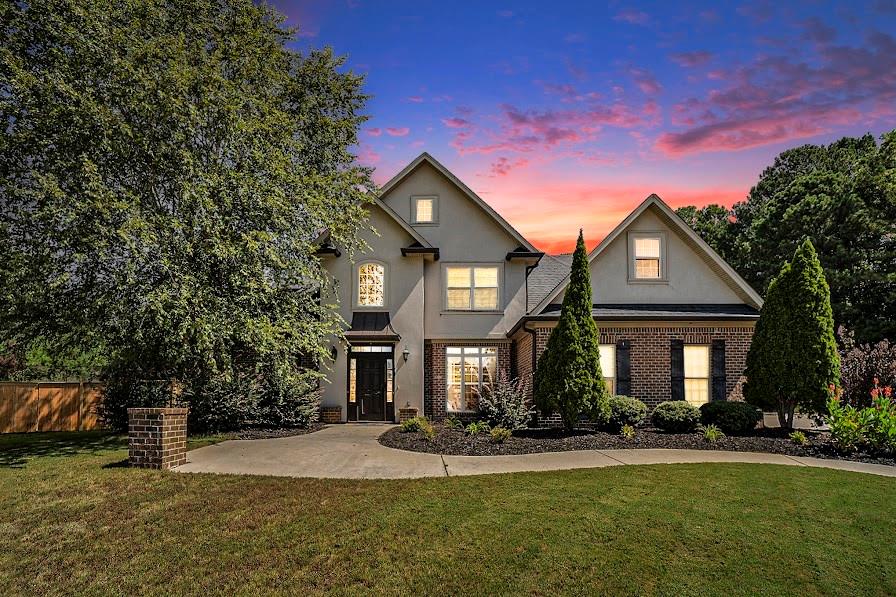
{"type": "Point", "coordinates": [532, 441]}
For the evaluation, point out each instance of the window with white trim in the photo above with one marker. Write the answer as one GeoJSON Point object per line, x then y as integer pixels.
{"type": "Point", "coordinates": [471, 288]}
{"type": "Point", "coordinates": [608, 365]}
{"type": "Point", "coordinates": [696, 374]}
{"type": "Point", "coordinates": [371, 285]}
{"type": "Point", "coordinates": [468, 370]}
{"type": "Point", "coordinates": [648, 255]}
{"type": "Point", "coordinates": [424, 210]}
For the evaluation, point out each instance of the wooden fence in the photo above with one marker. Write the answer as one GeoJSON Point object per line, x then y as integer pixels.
{"type": "Point", "coordinates": [49, 406]}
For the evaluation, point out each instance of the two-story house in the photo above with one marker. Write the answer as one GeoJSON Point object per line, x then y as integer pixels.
{"type": "Point", "coordinates": [449, 293]}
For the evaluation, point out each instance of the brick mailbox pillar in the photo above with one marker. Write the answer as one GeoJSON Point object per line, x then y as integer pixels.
{"type": "Point", "coordinates": [157, 437]}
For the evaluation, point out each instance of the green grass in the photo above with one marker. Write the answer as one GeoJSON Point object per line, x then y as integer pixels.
{"type": "Point", "coordinates": [74, 521]}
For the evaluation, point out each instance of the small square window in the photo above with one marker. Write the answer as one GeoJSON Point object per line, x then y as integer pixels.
{"type": "Point", "coordinates": [424, 210]}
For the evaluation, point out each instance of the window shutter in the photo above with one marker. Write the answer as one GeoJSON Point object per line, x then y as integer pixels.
{"type": "Point", "coordinates": [718, 370]}
{"type": "Point", "coordinates": [676, 352]}
{"type": "Point", "coordinates": [623, 368]}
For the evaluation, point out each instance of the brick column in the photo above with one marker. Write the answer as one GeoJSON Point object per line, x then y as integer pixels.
{"type": "Point", "coordinates": [331, 414]}
{"type": "Point", "coordinates": [157, 437]}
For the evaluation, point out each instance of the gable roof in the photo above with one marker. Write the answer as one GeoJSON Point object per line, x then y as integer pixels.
{"type": "Point", "coordinates": [425, 157]}
{"type": "Point", "coordinates": [543, 279]}
{"type": "Point", "coordinates": [715, 262]}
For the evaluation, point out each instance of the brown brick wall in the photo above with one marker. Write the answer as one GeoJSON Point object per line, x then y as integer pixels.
{"type": "Point", "coordinates": [157, 437]}
{"type": "Point", "coordinates": [405, 414]}
{"type": "Point", "coordinates": [434, 355]}
{"type": "Point", "coordinates": [331, 414]}
{"type": "Point", "coordinates": [650, 358]}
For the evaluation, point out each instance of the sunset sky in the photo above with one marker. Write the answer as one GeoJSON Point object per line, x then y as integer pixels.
{"type": "Point", "coordinates": [566, 115]}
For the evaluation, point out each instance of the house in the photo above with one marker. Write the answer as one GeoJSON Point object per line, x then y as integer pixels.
{"type": "Point", "coordinates": [448, 294]}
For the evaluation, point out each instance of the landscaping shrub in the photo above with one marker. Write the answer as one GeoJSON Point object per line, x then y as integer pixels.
{"type": "Point", "coordinates": [733, 418]}
{"type": "Point", "coordinates": [881, 420]}
{"type": "Point", "coordinates": [848, 424]}
{"type": "Point", "coordinates": [627, 431]}
{"type": "Point", "coordinates": [861, 365]}
{"type": "Point", "coordinates": [626, 411]}
{"type": "Point", "coordinates": [676, 416]}
{"type": "Point", "coordinates": [503, 403]}
{"type": "Point", "coordinates": [452, 423]}
{"type": "Point", "coordinates": [477, 427]}
{"type": "Point", "coordinates": [712, 434]}
{"type": "Point", "coordinates": [499, 435]}
{"type": "Point", "coordinates": [798, 437]}
{"type": "Point", "coordinates": [412, 425]}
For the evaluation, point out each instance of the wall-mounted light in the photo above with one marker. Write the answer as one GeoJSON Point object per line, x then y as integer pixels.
{"type": "Point", "coordinates": [405, 353]}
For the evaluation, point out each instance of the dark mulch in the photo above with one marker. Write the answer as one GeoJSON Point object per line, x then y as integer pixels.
{"type": "Point", "coordinates": [273, 433]}
{"type": "Point", "coordinates": [531, 441]}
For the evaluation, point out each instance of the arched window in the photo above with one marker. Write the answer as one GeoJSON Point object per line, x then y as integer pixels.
{"type": "Point", "coordinates": [371, 285]}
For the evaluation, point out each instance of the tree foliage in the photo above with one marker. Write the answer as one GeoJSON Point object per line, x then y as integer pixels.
{"type": "Point", "coordinates": [793, 357]}
{"type": "Point", "coordinates": [863, 364]}
{"type": "Point", "coordinates": [165, 171]}
{"type": "Point", "coordinates": [568, 379]}
{"type": "Point", "coordinates": [843, 197]}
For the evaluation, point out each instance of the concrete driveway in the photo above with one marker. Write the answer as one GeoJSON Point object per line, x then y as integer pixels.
{"type": "Point", "coordinates": [351, 451]}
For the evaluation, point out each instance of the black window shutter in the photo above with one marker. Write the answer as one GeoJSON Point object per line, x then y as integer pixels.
{"type": "Point", "coordinates": [676, 352]}
{"type": "Point", "coordinates": [623, 368]}
{"type": "Point", "coordinates": [718, 370]}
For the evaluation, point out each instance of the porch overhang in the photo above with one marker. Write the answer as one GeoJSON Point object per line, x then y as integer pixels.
{"type": "Point", "coordinates": [371, 326]}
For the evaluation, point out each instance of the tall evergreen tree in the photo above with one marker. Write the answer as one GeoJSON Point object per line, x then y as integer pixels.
{"type": "Point", "coordinates": [793, 357]}
{"type": "Point", "coordinates": [568, 379]}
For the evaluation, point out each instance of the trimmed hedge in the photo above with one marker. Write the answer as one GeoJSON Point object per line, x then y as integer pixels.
{"type": "Point", "coordinates": [733, 418]}
{"type": "Point", "coordinates": [676, 416]}
{"type": "Point", "coordinates": [626, 411]}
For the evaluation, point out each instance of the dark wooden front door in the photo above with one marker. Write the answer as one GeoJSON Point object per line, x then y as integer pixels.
{"type": "Point", "coordinates": [371, 386]}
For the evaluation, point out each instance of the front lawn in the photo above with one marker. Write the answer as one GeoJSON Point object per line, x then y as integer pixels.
{"type": "Point", "coordinates": [74, 521]}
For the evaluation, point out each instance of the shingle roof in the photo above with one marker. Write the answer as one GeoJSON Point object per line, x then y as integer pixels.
{"type": "Point", "coordinates": [543, 279]}
{"type": "Point", "coordinates": [664, 311]}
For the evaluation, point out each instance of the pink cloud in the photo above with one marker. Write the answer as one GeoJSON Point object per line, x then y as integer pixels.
{"type": "Point", "coordinates": [691, 59]}
{"type": "Point", "coordinates": [397, 131]}
{"type": "Point", "coordinates": [502, 166]}
{"type": "Point", "coordinates": [633, 17]}
{"type": "Point", "coordinates": [374, 132]}
{"type": "Point", "coordinates": [455, 123]}
{"type": "Point", "coordinates": [645, 81]}
{"type": "Point", "coordinates": [780, 98]}
{"type": "Point", "coordinates": [416, 99]}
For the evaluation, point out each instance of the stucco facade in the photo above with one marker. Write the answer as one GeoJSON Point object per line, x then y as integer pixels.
{"type": "Point", "coordinates": [427, 228]}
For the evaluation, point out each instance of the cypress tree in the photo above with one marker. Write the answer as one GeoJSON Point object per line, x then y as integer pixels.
{"type": "Point", "coordinates": [568, 379]}
{"type": "Point", "coordinates": [793, 357]}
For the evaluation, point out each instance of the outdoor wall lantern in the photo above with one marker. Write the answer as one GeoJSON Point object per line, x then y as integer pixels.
{"type": "Point", "coordinates": [405, 353]}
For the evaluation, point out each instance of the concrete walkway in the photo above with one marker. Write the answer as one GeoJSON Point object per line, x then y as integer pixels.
{"type": "Point", "coordinates": [352, 452]}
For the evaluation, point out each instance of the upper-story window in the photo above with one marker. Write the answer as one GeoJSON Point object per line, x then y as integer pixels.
{"type": "Point", "coordinates": [471, 288]}
{"type": "Point", "coordinates": [424, 210]}
{"type": "Point", "coordinates": [647, 252]}
{"type": "Point", "coordinates": [371, 285]}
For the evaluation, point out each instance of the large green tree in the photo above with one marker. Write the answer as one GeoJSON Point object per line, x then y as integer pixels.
{"type": "Point", "coordinates": [165, 171]}
{"type": "Point", "coordinates": [568, 379]}
{"type": "Point", "coordinates": [793, 357]}
{"type": "Point", "coordinates": [843, 196]}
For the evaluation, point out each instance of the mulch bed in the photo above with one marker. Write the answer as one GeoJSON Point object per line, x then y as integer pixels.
{"type": "Point", "coordinates": [532, 441]}
{"type": "Point", "coordinates": [274, 433]}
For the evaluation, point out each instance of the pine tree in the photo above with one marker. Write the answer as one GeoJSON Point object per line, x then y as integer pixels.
{"type": "Point", "coordinates": [793, 358]}
{"type": "Point", "coordinates": [568, 379]}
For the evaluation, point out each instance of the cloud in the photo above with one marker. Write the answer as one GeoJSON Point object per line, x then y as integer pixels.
{"type": "Point", "coordinates": [502, 166]}
{"type": "Point", "coordinates": [455, 123]}
{"type": "Point", "coordinates": [817, 32]}
{"type": "Point", "coordinates": [633, 17]}
{"type": "Point", "coordinates": [759, 12]}
{"type": "Point", "coordinates": [691, 59]}
{"type": "Point", "coordinates": [397, 131]}
{"type": "Point", "coordinates": [783, 98]}
{"type": "Point", "coordinates": [645, 80]}
{"type": "Point", "coordinates": [415, 99]}
{"type": "Point", "coordinates": [374, 132]}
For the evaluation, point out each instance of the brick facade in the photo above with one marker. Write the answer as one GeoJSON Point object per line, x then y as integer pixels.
{"type": "Point", "coordinates": [649, 355]}
{"type": "Point", "coordinates": [331, 414]}
{"type": "Point", "coordinates": [434, 380]}
{"type": "Point", "coordinates": [157, 437]}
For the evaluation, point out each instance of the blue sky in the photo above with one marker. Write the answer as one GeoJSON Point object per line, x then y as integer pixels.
{"type": "Point", "coordinates": [566, 115]}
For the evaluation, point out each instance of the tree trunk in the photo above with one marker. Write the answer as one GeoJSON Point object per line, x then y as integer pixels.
{"type": "Point", "coordinates": [785, 414]}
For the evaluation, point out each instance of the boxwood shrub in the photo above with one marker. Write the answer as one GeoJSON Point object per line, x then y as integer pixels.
{"type": "Point", "coordinates": [626, 411]}
{"type": "Point", "coordinates": [733, 418]}
{"type": "Point", "coordinates": [676, 416]}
